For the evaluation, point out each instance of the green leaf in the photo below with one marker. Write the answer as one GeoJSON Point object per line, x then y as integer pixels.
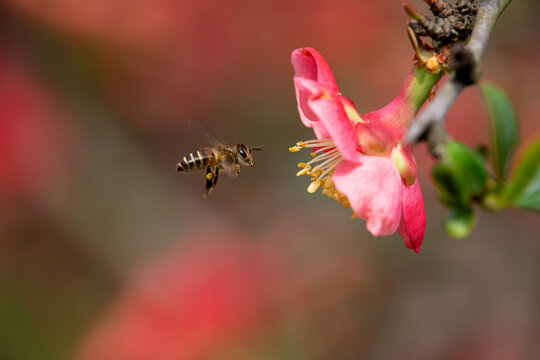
{"type": "Point", "coordinates": [524, 189]}
{"type": "Point", "coordinates": [504, 132]}
{"type": "Point", "coordinates": [460, 175]}
{"type": "Point", "coordinates": [460, 223]}
{"type": "Point", "coordinates": [450, 193]}
{"type": "Point", "coordinates": [462, 180]}
{"type": "Point", "coordinates": [469, 167]}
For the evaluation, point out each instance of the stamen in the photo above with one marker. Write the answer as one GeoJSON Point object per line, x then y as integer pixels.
{"type": "Point", "coordinates": [331, 166]}
{"type": "Point", "coordinates": [315, 143]}
{"type": "Point", "coordinates": [315, 174]}
{"type": "Point", "coordinates": [326, 143]}
{"type": "Point", "coordinates": [327, 157]}
{"type": "Point", "coordinates": [328, 184]}
{"type": "Point", "coordinates": [304, 171]}
{"type": "Point", "coordinates": [313, 186]}
{"type": "Point", "coordinates": [330, 154]}
{"type": "Point", "coordinates": [314, 153]}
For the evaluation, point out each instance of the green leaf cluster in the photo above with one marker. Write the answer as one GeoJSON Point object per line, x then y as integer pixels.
{"type": "Point", "coordinates": [524, 188]}
{"type": "Point", "coordinates": [466, 177]}
{"type": "Point", "coordinates": [461, 178]}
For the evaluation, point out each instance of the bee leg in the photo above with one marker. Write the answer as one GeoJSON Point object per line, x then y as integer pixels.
{"type": "Point", "coordinates": [212, 173]}
{"type": "Point", "coordinates": [230, 165]}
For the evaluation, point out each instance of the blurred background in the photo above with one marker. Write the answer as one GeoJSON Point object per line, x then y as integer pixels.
{"type": "Point", "coordinates": [107, 253]}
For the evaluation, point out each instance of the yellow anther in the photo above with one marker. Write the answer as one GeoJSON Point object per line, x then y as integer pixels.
{"type": "Point", "coordinates": [303, 171]}
{"type": "Point", "coordinates": [326, 156]}
{"type": "Point", "coordinates": [314, 175]}
{"type": "Point", "coordinates": [353, 216]}
{"type": "Point", "coordinates": [209, 176]}
{"type": "Point", "coordinates": [313, 186]}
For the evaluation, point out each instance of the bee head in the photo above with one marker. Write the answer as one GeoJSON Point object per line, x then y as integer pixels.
{"type": "Point", "coordinates": [244, 155]}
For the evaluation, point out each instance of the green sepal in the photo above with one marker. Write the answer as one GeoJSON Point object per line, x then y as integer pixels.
{"type": "Point", "coordinates": [460, 223]}
{"type": "Point", "coordinates": [503, 128]}
{"type": "Point", "coordinates": [421, 85]}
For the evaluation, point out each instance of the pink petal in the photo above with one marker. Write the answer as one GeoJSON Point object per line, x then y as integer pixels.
{"type": "Point", "coordinates": [397, 115]}
{"type": "Point", "coordinates": [374, 190]}
{"type": "Point", "coordinates": [374, 139]}
{"type": "Point", "coordinates": [309, 64]}
{"type": "Point", "coordinates": [331, 113]}
{"type": "Point", "coordinates": [413, 217]}
{"type": "Point", "coordinates": [305, 89]}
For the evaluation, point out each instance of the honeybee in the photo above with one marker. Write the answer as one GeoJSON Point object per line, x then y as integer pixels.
{"type": "Point", "coordinates": [227, 158]}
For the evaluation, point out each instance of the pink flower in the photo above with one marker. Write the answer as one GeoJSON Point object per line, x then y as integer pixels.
{"type": "Point", "coordinates": [359, 160]}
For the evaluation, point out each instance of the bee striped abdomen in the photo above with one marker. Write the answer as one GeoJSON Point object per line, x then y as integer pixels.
{"type": "Point", "coordinates": [195, 161]}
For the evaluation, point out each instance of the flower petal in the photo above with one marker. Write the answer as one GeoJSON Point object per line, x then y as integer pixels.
{"type": "Point", "coordinates": [397, 115]}
{"type": "Point", "coordinates": [374, 139]}
{"type": "Point", "coordinates": [309, 64]}
{"type": "Point", "coordinates": [413, 217]}
{"type": "Point", "coordinates": [374, 190]}
{"type": "Point", "coordinates": [331, 113]}
{"type": "Point", "coordinates": [305, 90]}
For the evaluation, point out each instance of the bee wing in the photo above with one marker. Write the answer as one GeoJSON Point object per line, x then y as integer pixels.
{"type": "Point", "coordinates": [201, 134]}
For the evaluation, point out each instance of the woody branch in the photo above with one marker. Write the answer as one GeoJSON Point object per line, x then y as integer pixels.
{"type": "Point", "coordinates": [466, 72]}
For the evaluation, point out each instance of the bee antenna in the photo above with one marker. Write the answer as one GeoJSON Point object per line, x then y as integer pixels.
{"type": "Point", "coordinates": [258, 147]}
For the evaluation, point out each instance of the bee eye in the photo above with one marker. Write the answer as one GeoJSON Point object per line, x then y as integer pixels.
{"type": "Point", "coordinates": [242, 153]}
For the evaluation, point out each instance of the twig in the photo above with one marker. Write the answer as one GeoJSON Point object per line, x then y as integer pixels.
{"type": "Point", "coordinates": [435, 112]}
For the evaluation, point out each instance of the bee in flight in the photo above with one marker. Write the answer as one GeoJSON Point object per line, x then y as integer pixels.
{"type": "Point", "coordinates": [226, 158]}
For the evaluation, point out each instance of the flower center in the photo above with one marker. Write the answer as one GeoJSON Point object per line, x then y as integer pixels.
{"type": "Point", "coordinates": [326, 156]}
